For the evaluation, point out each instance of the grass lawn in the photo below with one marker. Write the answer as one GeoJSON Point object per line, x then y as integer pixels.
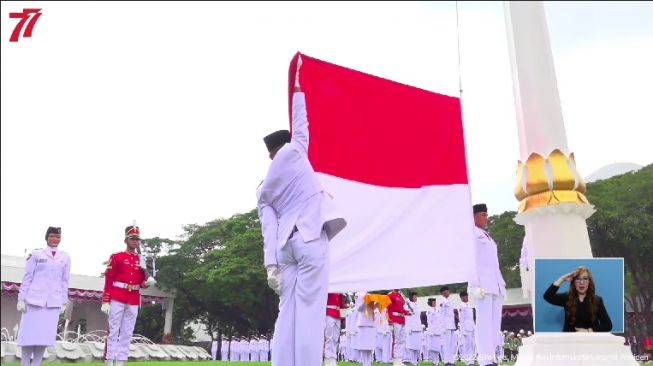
{"type": "Point", "coordinates": [220, 363]}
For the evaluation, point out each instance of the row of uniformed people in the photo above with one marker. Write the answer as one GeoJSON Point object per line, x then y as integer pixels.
{"type": "Point", "coordinates": [242, 349]}
{"type": "Point", "coordinates": [368, 335]}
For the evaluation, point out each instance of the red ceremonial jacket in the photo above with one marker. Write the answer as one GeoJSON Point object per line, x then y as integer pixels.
{"type": "Point", "coordinates": [335, 300]}
{"type": "Point", "coordinates": [395, 308]}
{"type": "Point", "coordinates": [123, 267]}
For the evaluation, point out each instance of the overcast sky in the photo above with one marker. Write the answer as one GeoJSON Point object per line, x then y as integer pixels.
{"type": "Point", "coordinates": [155, 112]}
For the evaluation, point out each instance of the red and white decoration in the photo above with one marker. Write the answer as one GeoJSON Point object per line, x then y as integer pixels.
{"type": "Point", "coordinates": [78, 295]}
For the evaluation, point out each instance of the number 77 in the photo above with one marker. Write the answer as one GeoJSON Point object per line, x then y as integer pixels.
{"type": "Point", "coordinates": [24, 16]}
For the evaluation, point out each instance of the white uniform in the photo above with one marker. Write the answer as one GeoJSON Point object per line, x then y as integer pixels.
{"type": "Point", "coordinates": [434, 332]}
{"type": "Point", "coordinates": [383, 344]}
{"type": "Point", "coordinates": [467, 349]}
{"type": "Point", "coordinates": [214, 350]}
{"type": "Point", "coordinates": [488, 308]}
{"type": "Point", "coordinates": [365, 324]}
{"type": "Point", "coordinates": [234, 350]}
{"type": "Point", "coordinates": [525, 272]}
{"type": "Point", "coordinates": [224, 350]}
{"type": "Point", "coordinates": [264, 349]}
{"type": "Point", "coordinates": [414, 334]}
{"type": "Point", "coordinates": [449, 343]}
{"type": "Point", "coordinates": [343, 346]}
{"type": "Point", "coordinates": [244, 350]}
{"type": "Point", "coordinates": [297, 219]}
{"type": "Point", "coordinates": [352, 335]}
{"type": "Point", "coordinates": [44, 289]}
{"type": "Point", "coordinates": [502, 343]}
{"type": "Point", "coordinates": [253, 350]}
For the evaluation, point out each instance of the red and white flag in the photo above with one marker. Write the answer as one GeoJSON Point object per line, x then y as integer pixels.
{"type": "Point", "coordinates": [393, 157]}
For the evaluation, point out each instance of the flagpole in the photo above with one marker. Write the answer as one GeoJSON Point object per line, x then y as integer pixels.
{"type": "Point", "coordinates": [550, 191]}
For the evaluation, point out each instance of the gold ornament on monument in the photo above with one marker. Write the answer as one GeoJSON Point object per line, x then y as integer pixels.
{"type": "Point", "coordinates": [548, 181]}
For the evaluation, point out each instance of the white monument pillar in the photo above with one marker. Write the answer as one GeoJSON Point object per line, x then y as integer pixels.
{"type": "Point", "coordinates": [552, 206]}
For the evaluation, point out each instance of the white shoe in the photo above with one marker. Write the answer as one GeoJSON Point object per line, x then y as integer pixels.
{"type": "Point", "coordinates": [120, 363]}
{"type": "Point", "coordinates": [108, 362]}
{"type": "Point", "coordinates": [397, 362]}
{"type": "Point", "coordinates": [330, 362]}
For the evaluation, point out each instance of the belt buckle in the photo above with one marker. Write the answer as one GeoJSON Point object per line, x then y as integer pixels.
{"type": "Point", "coordinates": [129, 287]}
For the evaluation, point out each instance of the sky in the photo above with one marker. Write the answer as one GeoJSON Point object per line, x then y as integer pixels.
{"type": "Point", "coordinates": [155, 112]}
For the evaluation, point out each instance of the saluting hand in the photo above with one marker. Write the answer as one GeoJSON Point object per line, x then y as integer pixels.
{"type": "Point", "coordinates": [568, 277]}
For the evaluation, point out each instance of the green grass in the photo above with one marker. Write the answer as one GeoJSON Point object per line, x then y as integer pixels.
{"type": "Point", "coordinates": [219, 363]}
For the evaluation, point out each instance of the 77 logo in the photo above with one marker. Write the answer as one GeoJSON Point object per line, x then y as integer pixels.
{"type": "Point", "coordinates": [28, 14]}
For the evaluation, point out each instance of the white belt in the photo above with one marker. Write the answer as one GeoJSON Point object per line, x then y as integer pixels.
{"type": "Point", "coordinates": [334, 307]}
{"type": "Point", "coordinates": [126, 286]}
{"type": "Point", "coordinates": [394, 313]}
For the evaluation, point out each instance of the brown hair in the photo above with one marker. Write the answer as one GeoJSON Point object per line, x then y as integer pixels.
{"type": "Point", "coordinates": [590, 296]}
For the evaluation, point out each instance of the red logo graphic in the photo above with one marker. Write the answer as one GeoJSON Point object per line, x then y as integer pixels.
{"type": "Point", "coordinates": [28, 14]}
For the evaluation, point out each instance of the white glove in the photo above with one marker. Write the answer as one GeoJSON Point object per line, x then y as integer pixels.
{"type": "Point", "coordinates": [150, 281]}
{"type": "Point", "coordinates": [142, 259]}
{"type": "Point", "coordinates": [274, 278]}
{"type": "Point", "coordinates": [20, 306]}
{"type": "Point", "coordinates": [479, 293]}
{"type": "Point", "coordinates": [106, 308]}
{"type": "Point", "coordinates": [299, 65]}
{"type": "Point", "coordinates": [63, 308]}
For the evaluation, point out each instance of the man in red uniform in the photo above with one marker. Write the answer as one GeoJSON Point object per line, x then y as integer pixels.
{"type": "Point", "coordinates": [396, 317]}
{"type": "Point", "coordinates": [123, 279]}
{"type": "Point", "coordinates": [335, 302]}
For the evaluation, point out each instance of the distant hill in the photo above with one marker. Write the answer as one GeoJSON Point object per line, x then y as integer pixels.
{"type": "Point", "coordinates": [612, 170]}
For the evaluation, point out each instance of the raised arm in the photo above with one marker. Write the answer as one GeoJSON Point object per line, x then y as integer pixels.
{"type": "Point", "coordinates": [552, 297]}
{"type": "Point", "coordinates": [299, 136]}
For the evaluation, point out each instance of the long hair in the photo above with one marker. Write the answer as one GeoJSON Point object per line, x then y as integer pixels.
{"type": "Point", "coordinates": [590, 296]}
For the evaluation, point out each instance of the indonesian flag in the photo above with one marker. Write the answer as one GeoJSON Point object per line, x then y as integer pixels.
{"type": "Point", "coordinates": [393, 157]}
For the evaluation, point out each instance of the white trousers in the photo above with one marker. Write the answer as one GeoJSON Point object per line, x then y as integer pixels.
{"type": "Point", "coordinates": [331, 335]}
{"type": "Point", "coordinates": [488, 325]}
{"type": "Point", "coordinates": [253, 355]}
{"type": "Point", "coordinates": [449, 346]}
{"type": "Point", "coordinates": [383, 347]}
{"type": "Point", "coordinates": [299, 330]}
{"type": "Point", "coordinates": [225, 354]}
{"type": "Point", "coordinates": [263, 355]}
{"type": "Point", "coordinates": [365, 357]}
{"type": "Point", "coordinates": [122, 319]}
{"type": "Point", "coordinates": [214, 354]}
{"type": "Point", "coordinates": [467, 351]}
{"type": "Point", "coordinates": [398, 341]}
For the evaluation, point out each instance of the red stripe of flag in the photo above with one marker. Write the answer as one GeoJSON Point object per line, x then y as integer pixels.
{"type": "Point", "coordinates": [376, 131]}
